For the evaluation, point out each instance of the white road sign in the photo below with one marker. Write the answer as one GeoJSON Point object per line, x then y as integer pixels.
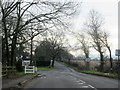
{"type": "Point", "coordinates": [117, 52]}
{"type": "Point", "coordinates": [25, 62]}
{"type": "Point", "coordinates": [88, 59]}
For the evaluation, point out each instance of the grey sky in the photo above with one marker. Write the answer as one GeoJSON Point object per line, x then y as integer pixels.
{"type": "Point", "coordinates": [109, 10]}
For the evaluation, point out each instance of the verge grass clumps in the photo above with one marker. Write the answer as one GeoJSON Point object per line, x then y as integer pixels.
{"type": "Point", "coordinates": [110, 75]}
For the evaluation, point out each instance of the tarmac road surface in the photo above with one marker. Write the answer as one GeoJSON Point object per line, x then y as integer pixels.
{"type": "Point", "coordinates": [65, 77]}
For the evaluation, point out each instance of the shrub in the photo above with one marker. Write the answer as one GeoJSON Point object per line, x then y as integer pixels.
{"type": "Point", "coordinates": [19, 67]}
{"type": "Point", "coordinates": [42, 63]}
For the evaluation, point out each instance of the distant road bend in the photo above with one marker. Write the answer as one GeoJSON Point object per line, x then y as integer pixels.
{"type": "Point", "coordinates": [65, 77]}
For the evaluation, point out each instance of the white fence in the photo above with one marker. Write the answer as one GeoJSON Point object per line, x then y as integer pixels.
{"type": "Point", "coordinates": [30, 69]}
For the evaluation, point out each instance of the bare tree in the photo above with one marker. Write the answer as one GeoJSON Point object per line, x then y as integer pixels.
{"type": "Point", "coordinates": [84, 44]}
{"type": "Point", "coordinates": [55, 40]}
{"type": "Point", "coordinates": [104, 39]}
{"type": "Point", "coordinates": [94, 25]}
{"type": "Point", "coordinates": [52, 49]}
{"type": "Point", "coordinates": [17, 11]}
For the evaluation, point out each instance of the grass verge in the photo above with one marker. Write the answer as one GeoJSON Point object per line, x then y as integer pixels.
{"type": "Point", "coordinates": [38, 69]}
{"type": "Point", "coordinates": [110, 75]}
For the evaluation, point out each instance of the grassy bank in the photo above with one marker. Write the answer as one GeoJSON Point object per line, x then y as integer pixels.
{"type": "Point", "coordinates": [110, 75]}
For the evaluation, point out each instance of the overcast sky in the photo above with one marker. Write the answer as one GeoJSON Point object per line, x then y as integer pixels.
{"type": "Point", "coordinates": [109, 10]}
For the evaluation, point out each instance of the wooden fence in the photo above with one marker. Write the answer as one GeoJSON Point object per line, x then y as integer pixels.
{"type": "Point", "coordinates": [8, 70]}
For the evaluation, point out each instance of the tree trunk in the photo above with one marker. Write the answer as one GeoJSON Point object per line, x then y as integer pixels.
{"type": "Point", "coordinates": [6, 41]}
{"type": "Point", "coordinates": [14, 41]}
{"type": "Point", "coordinates": [31, 56]}
{"type": "Point", "coordinates": [13, 47]}
{"type": "Point", "coordinates": [86, 55]}
{"type": "Point", "coordinates": [13, 54]}
{"type": "Point", "coordinates": [68, 60]}
{"type": "Point", "coordinates": [111, 62]}
{"type": "Point", "coordinates": [87, 62]}
{"type": "Point", "coordinates": [53, 60]}
{"type": "Point", "coordinates": [101, 62]}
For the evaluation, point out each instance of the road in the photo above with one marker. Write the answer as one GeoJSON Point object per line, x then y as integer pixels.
{"type": "Point", "coordinates": [65, 77]}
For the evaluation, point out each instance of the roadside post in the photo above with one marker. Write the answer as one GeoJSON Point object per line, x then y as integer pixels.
{"type": "Point", "coordinates": [51, 62]}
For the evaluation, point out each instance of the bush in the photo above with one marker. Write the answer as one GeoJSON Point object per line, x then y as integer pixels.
{"type": "Point", "coordinates": [116, 68]}
{"type": "Point", "coordinates": [42, 63]}
{"type": "Point", "coordinates": [19, 66]}
{"type": "Point", "coordinates": [97, 67]}
{"type": "Point", "coordinates": [74, 64]}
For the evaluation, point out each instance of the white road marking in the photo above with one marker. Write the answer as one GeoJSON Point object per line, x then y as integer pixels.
{"type": "Point", "coordinates": [92, 87]}
{"type": "Point", "coordinates": [85, 86]}
{"type": "Point", "coordinates": [82, 81]}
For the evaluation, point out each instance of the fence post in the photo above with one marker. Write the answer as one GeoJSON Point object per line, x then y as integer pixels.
{"type": "Point", "coordinates": [25, 69]}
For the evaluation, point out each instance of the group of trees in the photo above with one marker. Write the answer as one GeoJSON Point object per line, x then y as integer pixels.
{"type": "Point", "coordinates": [22, 21]}
{"type": "Point", "coordinates": [52, 47]}
{"type": "Point", "coordinates": [96, 38]}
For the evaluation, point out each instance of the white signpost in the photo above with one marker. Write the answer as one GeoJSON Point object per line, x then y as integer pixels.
{"type": "Point", "coordinates": [51, 62]}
